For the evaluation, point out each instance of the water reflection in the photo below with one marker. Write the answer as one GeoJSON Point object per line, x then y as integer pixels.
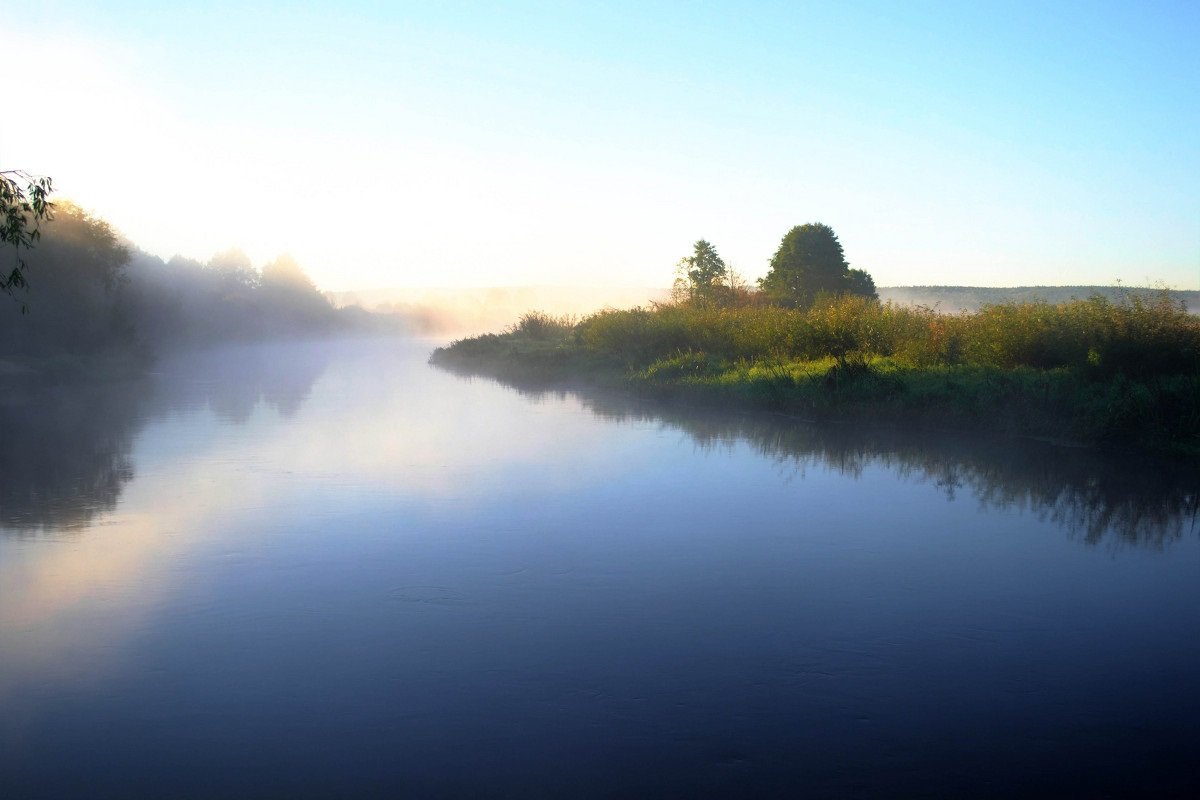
{"type": "Point", "coordinates": [406, 568]}
{"type": "Point", "coordinates": [232, 381]}
{"type": "Point", "coordinates": [66, 452]}
{"type": "Point", "coordinates": [1096, 497]}
{"type": "Point", "coordinates": [66, 455]}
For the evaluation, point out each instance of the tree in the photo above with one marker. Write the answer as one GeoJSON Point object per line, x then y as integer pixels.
{"type": "Point", "coordinates": [80, 280]}
{"type": "Point", "coordinates": [83, 248]}
{"type": "Point", "coordinates": [285, 273]}
{"type": "Point", "coordinates": [291, 299]}
{"type": "Point", "coordinates": [810, 262]}
{"type": "Point", "coordinates": [24, 205]}
{"type": "Point", "coordinates": [234, 269]}
{"type": "Point", "coordinates": [859, 282]}
{"type": "Point", "coordinates": [702, 275]}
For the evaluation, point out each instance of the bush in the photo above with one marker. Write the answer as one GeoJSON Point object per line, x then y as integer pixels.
{"type": "Point", "coordinates": [543, 327]}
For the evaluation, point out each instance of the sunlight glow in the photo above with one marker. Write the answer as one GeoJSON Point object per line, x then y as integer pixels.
{"type": "Point", "coordinates": [421, 148]}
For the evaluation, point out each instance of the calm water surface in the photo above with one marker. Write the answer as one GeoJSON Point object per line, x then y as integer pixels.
{"type": "Point", "coordinates": [332, 570]}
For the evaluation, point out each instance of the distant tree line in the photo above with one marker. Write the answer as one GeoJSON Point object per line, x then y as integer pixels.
{"type": "Point", "coordinates": [953, 299]}
{"type": "Point", "coordinates": [808, 265]}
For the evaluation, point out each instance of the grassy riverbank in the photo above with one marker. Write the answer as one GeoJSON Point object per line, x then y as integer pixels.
{"type": "Point", "coordinates": [1123, 374]}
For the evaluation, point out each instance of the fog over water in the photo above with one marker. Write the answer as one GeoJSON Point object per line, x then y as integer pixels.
{"type": "Point", "coordinates": [455, 312]}
{"type": "Point", "coordinates": [329, 569]}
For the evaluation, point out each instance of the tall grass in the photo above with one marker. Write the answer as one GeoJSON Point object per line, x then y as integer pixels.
{"type": "Point", "coordinates": [540, 326]}
{"type": "Point", "coordinates": [1134, 337]}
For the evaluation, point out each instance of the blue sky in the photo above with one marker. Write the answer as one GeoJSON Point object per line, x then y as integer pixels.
{"type": "Point", "coordinates": [394, 144]}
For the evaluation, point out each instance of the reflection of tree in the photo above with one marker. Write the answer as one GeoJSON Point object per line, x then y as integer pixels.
{"type": "Point", "coordinates": [66, 453]}
{"type": "Point", "coordinates": [1137, 500]}
{"type": "Point", "coordinates": [234, 380]}
{"type": "Point", "coordinates": [1099, 497]}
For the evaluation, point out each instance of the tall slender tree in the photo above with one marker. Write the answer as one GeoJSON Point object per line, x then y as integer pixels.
{"type": "Point", "coordinates": [702, 274]}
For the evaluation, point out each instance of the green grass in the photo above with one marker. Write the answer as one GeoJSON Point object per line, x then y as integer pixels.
{"type": "Point", "coordinates": [1122, 374]}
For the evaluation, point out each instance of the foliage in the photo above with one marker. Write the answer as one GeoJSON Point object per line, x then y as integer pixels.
{"type": "Point", "coordinates": [860, 284]}
{"type": "Point", "coordinates": [543, 327]}
{"type": "Point", "coordinates": [701, 277]}
{"type": "Point", "coordinates": [1096, 336]}
{"type": "Point", "coordinates": [24, 205]}
{"type": "Point", "coordinates": [285, 274]}
{"type": "Point", "coordinates": [81, 267]}
{"type": "Point", "coordinates": [84, 247]}
{"type": "Point", "coordinates": [810, 263]}
{"type": "Point", "coordinates": [234, 269]}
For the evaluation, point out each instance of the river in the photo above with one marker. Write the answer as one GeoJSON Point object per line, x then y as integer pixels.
{"type": "Point", "coordinates": [331, 570]}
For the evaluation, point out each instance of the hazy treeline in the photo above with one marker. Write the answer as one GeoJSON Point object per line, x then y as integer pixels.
{"type": "Point", "coordinates": [91, 291]}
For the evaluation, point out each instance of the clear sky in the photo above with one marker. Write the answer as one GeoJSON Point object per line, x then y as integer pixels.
{"type": "Point", "coordinates": [461, 144]}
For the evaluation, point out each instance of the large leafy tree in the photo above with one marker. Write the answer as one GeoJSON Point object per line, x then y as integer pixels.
{"type": "Point", "coordinates": [809, 263]}
{"type": "Point", "coordinates": [703, 274]}
{"type": "Point", "coordinates": [24, 205]}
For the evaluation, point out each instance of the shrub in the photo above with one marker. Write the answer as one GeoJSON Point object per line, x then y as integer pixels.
{"type": "Point", "coordinates": [542, 326]}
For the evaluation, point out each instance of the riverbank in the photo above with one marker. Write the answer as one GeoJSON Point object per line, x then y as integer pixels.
{"type": "Point", "coordinates": [1094, 372]}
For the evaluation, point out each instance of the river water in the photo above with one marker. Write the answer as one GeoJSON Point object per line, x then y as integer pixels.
{"type": "Point", "coordinates": [331, 570]}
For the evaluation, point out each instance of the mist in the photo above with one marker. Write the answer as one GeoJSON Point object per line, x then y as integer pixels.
{"type": "Point", "coordinates": [472, 311]}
